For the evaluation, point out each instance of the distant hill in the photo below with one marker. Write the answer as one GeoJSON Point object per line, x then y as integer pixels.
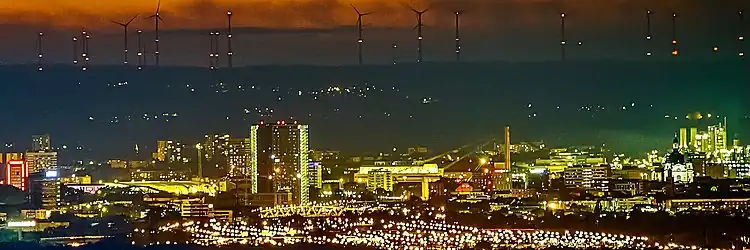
{"type": "Point", "coordinates": [633, 105]}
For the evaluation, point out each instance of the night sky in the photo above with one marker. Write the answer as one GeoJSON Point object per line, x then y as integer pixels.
{"type": "Point", "coordinates": [607, 92]}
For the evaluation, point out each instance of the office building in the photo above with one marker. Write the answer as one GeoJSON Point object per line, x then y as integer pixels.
{"type": "Point", "coordinates": [41, 161]}
{"type": "Point", "coordinates": [17, 174]}
{"type": "Point", "coordinates": [717, 137]}
{"type": "Point", "coordinates": [44, 190]}
{"type": "Point", "coordinates": [215, 145]}
{"type": "Point", "coordinates": [40, 143]}
{"type": "Point", "coordinates": [694, 144]}
{"type": "Point", "coordinates": [588, 177]}
{"type": "Point", "coordinates": [683, 138]}
{"type": "Point", "coordinates": [170, 152]}
{"type": "Point", "coordinates": [238, 157]}
{"type": "Point", "coordinates": [315, 175]}
{"type": "Point", "coordinates": [561, 158]}
{"type": "Point", "coordinates": [279, 156]}
{"type": "Point", "coordinates": [380, 179]}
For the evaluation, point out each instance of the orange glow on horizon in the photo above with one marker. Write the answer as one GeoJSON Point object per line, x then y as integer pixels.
{"type": "Point", "coordinates": [192, 14]}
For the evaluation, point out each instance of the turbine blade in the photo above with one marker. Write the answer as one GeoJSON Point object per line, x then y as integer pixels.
{"type": "Point", "coordinates": [118, 23]}
{"type": "Point", "coordinates": [355, 9]}
{"type": "Point", "coordinates": [160, 19]}
{"type": "Point", "coordinates": [131, 20]}
{"type": "Point", "coordinates": [365, 14]}
{"type": "Point", "coordinates": [158, 6]}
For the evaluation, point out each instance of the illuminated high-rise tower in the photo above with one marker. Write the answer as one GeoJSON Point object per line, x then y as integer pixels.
{"type": "Point", "coordinates": [717, 137]}
{"type": "Point", "coordinates": [279, 157]}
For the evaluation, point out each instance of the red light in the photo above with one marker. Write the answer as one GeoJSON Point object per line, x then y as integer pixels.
{"type": "Point", "coordinates": [262, 122]}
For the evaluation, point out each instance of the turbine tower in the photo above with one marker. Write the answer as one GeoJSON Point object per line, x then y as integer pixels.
{"type": "Point", "coordinates": [563, 42]}
{"type": "Point", "coordinates": [156, 18]}
{"type": "Point", "coordinates": [229, 40]}
{"type": "Point", "coordinates": [648, 33]}
{"type": "Point", "coordinates": [675, 50]}
{"type": "Point", "coordinates": [741, 37]}
{"type": "Point", "coordinates": [418, 27]}
{"type": "Point", "coordinates": [394, 49]}
{"type": "Point", "coordinates": [211, 52]}
{"type": "Point", "coordinates": [458, 37]}
{"type": "Point", "coordinates": [85, 50]}
{"type": "Point", "coordinates": [125, 37]}
{"type": "Point", "coordinates": [40, 51]}
{"type": "Point", "coordinates": [216, 49]}
{"type": "Point", "coordinates": [141, 61]}
{"type": "Point", "coordinates": [75, 50]}
{"type": "Point", "coordinates": [359, 31]}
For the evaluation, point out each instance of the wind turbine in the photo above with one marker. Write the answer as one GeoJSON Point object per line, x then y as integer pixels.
{"type": "Point", "coordinates": [394, 49]}
{"type": "Point", "coordinates": [211, 51]}
{"type": "Point", "coordinates": [75, 50]}
{"type": "Point", "coordinates": [229, 39]}
{"type": "Point", "coordinates": [85, 48]}
{"type": "Point", "coordinates": [216, 49]}
{"type": "Point", "coordinates": [563, 42]}
{"type": "Point", "coordinates": [141, 62]}
{"type": "Point", "coordinates": [125, 36]}
{"type": "Point", "coordinates": [741, 37]}
{"type": "Point", "coordinates": [648, 32]}
{"type": "Point", "coordinates": [675, 50]}
{"type": "Point", "coordinates": [359, 31]}
{"type": "Point", "coordinates": [458, 37]}
{"type": "Point", "coordinates": [156, 18]}
{"type": "Point", "coordinates": [40, 50]}
{"type": "Point", "coordinates": [418, 27]}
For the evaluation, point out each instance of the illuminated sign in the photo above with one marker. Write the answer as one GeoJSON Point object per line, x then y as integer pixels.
{"type": "Point", "coordinates": [51, 174]}
{"type": "Point", "coordinates": [21, 223]}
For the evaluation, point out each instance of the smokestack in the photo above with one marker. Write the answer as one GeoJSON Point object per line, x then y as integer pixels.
{"type": "Point", "coordinates": [507, 148]}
